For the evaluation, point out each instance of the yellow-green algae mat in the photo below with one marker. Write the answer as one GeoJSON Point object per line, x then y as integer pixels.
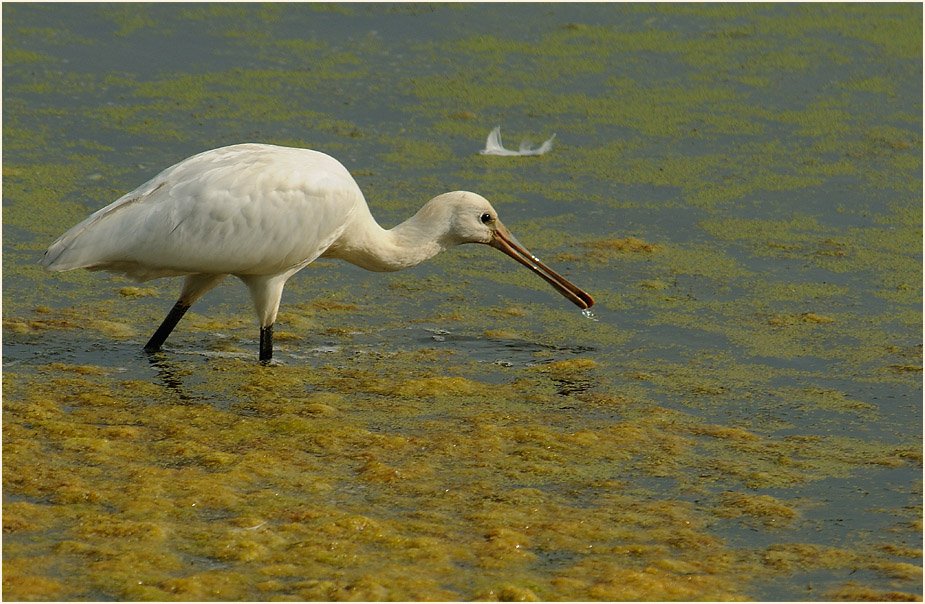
{"type": "Point", "coordinates": [739, 187]}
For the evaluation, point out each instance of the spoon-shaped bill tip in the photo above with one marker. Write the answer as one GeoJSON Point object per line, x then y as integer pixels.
{"type": "Point", "coordinates": [507, 243]}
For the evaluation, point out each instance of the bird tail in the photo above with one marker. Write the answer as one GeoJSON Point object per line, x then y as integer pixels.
{"type": "Point", "coordinates": [63, 255]}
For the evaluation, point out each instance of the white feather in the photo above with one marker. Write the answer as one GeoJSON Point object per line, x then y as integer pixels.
{"type": "Point", "coordinates": [493, 146]}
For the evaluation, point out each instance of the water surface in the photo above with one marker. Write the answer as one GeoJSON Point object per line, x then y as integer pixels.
{"type": "Point", "coordinates": [738, 186]}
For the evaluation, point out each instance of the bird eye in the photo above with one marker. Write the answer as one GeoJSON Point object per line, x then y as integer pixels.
{"type": "Point", "coordinates": [486, 218]}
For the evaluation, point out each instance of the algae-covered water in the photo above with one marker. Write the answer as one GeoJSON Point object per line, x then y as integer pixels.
{"type": "Point", "coordinates": [738, 186]}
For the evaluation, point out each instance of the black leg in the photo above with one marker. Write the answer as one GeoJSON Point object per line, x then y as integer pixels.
{"type": "Point", "coordinates": [266, 343]}
{"type": "Point", "coordinates": [173, 317]}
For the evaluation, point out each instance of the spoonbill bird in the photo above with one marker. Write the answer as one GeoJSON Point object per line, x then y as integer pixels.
{"type": "Point", "coordinates": [262, 213]}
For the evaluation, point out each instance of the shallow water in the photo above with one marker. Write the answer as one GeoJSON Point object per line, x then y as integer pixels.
{"type": "Point", "coordinates": [739, 187]}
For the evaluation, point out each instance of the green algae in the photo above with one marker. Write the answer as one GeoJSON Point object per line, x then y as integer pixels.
{"type": "Point", "coordinates": [14, 55]}
{"type": "Point", "coordinates": [407, 153]}
{"type": "Point", "coordinates": [27, 184]}
{"type": "Point", "coordinates": [395, 465]}
{"type": "Point", "coordinates": [203, 472]}
{"type": "Point", "coordinates": [128, 19]}
{"type": "Point", "coordinates": [890, 254]}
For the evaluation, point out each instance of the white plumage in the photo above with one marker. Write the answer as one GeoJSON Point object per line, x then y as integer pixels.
{"type": "Point", "coordinates": [262, 213]}
{"type": "Point", "coordinates": [228, 210]}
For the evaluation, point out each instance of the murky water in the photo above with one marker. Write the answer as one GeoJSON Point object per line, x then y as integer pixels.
{"type": "Point", "coordinates": [739, 187]}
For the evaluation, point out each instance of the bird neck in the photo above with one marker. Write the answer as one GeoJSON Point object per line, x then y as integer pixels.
{"type": "Point", "coordinates": [371, 247]}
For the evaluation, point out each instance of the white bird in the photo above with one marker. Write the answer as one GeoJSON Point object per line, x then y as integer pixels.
{"type": "Point", "coordinates": [262, 213]}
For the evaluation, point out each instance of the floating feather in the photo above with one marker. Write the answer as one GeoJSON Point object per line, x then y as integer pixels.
{"type": "Point", "coordinates": [493, 146]}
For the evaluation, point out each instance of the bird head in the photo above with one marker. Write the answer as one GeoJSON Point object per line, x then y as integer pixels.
{"type": "Point", "coordinates": [466, 217]}
{"type": "Point", "coordinates": [471, 219]}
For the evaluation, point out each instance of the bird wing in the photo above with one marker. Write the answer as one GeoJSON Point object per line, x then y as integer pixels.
{"type": "Point", "coordinates": [247, 209]}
